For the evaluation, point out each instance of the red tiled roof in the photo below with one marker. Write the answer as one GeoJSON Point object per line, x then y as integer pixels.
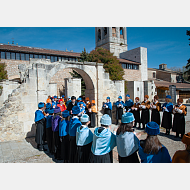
{"type": "Point", "coordinates": [25, 49]}
{"type": "Point", "coordinates": [128, 61]}
{"type": "Point", "coordinates": [166, 84]}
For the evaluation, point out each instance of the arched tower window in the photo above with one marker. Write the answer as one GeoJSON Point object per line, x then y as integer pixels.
{"type": "Point", "coordinates": [114, 31]}
{"type": "Point", "coordinates": [99, 35]}
{"type": "Point", "coordinates": [121, 32]}
{"type": "Point", "coordinates": [105, 31]}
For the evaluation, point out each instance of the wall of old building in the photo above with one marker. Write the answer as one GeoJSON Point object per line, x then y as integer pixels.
{"type": "Point", "coordinates": [132, 75]}
{"type": "Point", "coordinates": [163, 75]}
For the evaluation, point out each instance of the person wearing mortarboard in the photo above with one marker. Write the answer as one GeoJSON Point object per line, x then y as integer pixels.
{"type": "Point", "coordinates": [62, 105]}
{"type": "Point", "coordinates": [136, 112]}
{"type": "Point", "coordinates": [80, 100]}
{"type": "Point", "coordinates": [126, 140]}
{"type": "Point", "coordinates": [145, 106]}
{"type": "Point", "coordinates": [82, 109]}
{"type": "Point", "coordinates": [108, 107]}
{"type": "Point", "coordinates": [74, 123]}
{"type": "Point", "coordinates": [49, 132]}
{"type": "Point", "coordinates": [68, 101]}
{"type": "Point", "coordinates": [54, 102]}
{"type": "Point", "coordinates": [55, 128]}
{"type": "Point", "coordinates": [103, 142]}
{"type": "Point", "coordinates": [40, 122]}
{"type": "Point", "coordinates": [92, 111]}
{"type": "Point", "coordinates": [150, 149]}
{"type": "Point", "coordinates": [183, 156]}
{"type": "Point", "coordinates": [179, 112]}
{"type": "Point", "coordinates": [156, 108]}
{"type": "Point", "coordinates": [128, 103]}
{"type": "Point", "coordinates": [64, 136]}
{"type": "Point", "coordinates": [84, 138]}
{"type": "Point", "coordinates": [119, 109]}
{"type": "Point", "coordinates": [167, 109]}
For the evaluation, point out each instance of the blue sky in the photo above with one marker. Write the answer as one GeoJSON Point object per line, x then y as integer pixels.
{"type": "Point", "coordinates": [168, 45]}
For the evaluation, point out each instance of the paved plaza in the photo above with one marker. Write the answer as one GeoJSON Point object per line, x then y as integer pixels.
{"type": "Point", "coordinates": [25, 151]}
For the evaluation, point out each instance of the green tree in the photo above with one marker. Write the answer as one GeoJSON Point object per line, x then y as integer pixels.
{"type": "Point", "coordinates": [3, 72]}
{"type": "Point", "coordinates": [187, 67]}
{"type": "Point", "coordinates": [84, 56]}
{"type": "Point", "coordinates": [74, 74]}
{"type": "Point", "coordinates": [111, 63]}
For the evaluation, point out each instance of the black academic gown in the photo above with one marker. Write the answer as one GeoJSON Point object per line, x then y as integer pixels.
{"type": "Point", "coordinates": [155, 116]}
{"type": "Point", "coordinates": [179, 123]}
{"type": "Point", "coordinates": [49, 136]}
{"type": "Point", "coordinates": [70, 106]}
{"type": "Point", "coordinates": [119, 113]}
{"type": "Point", "coordinates": [108, 111]}
{"type": "Point", "coordinates": [64, 146]}
{"type": "Point", "coordinates": [167, 120]}
{"type": "Point", "coordinates": [40, 132]}
{"type": "Point", "coordinates": [133, 158]}
{"type": "Point", "coordinates": [92, 116]}
{"type": "Point", "coordinates": [145, 116]}
{"type": "Point", "coordinates": [83, 153]}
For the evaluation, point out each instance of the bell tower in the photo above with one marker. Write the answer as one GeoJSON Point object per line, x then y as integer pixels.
{"type": "Point", "coordinates": [113, 39]}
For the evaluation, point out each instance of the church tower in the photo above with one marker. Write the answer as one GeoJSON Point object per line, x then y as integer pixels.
{"type": "Point", "coordinates": [113, 39]}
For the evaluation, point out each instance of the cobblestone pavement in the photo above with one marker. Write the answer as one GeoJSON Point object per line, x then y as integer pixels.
{"type": "Point", "coordinates": [24, 151]}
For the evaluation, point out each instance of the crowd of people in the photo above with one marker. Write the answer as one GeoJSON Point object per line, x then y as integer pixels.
{"type": "Point", "coordinates": [64, 124]}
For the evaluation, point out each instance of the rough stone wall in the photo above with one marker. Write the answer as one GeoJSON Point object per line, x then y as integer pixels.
{"type": "Point", "coordinates": [163, 76]}
{"type": "Point", "coordinates": [59, 79]}
{"type": "Point", "coordinates": [10, 126]}
{"type": "Point", "coordinates": [132, 75]}
{"type": "Point", "coordinates": [12, 67]}
{"type": "Point", "coordinates": [139, 55]}
{"type": "Point", "coordinates": [8, 87]}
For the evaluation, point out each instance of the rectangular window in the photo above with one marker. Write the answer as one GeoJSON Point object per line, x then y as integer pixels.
{"type": "Point", "coordinates": [59, 58]}
{"type": "Point", "coordinates": [31, 56]}
{"type": "Point", "coordinates": [123, 65]}
{"type": "Point", "coordinates": [12, 55]}
{"type": "Point", "coordinates": [48, 57]}
{"type": "Point", "coordinates": [22, 56]}
{"type": "Point", "coordinates": [8, 55]}
{"type": "Point", "coordinates": [55, 58]}
{"type": "Point", "coordinates": [40, 56]}
{"type": "Point", "coordinates": [2, 55]}
{"type": "Point", "coordinates": [52, 58]}
{"type": "Point", "coordinates": [44, 56]}
{"type": "Point", "coordinates": [36, 56]}
{"type": "Point", "coordinates": [17, 56]}
{"type": "Point", "coordinates": [27, 57]}
{"type": "Point", "coordinates": [63, 58]}
{"type": "Point", "coordinates": [76, 59]}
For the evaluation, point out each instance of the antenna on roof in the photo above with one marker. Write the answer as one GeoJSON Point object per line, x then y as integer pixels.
{"type": "Point", "coordinates": [13, 40]}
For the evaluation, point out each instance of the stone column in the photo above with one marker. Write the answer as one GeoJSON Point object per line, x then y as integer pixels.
{"type": "Point", "coordinates": [172, 89]}
{"type": "Point", "coordinates": [73, 87]}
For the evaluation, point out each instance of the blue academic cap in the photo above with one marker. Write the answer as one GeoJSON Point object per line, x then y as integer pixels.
{"type": "Point", "coordinates": [75, 110]}
{"type": "Point", "coordinates": [168, 96]}
{"type": "Point", "coordinates": [152, 128]}
{"type": "Point", "coordinates": [127, 95]}
{"type": "Point", "coordinates": [127, 118]}
{"type": "Point", "coordinates": [84, 118]}
{"type": "Point", "coordinates": [120, 97]}
{"type": "Point", "coordinates": [40, 105]}
{"type": "Point", "coordinates": [105, 120]}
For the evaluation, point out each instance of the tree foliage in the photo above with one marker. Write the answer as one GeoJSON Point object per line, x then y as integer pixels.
{"type": "Point", "coordinates": [111, 63]}
{"type": "Point", "coordinates": [3, 72]}
{"type": "Point", "coordinates": [74, 74]}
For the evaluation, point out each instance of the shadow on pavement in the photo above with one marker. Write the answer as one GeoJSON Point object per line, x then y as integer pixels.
{"type": "Point", "coordinates": [31, 140]}
{"type": "Point", "coordinates": [172, 137]}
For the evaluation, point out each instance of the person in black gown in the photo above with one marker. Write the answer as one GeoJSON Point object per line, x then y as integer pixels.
{"type": "Point", "coordinates": [119, 109]}
{"type": "Point", "coordinates": [108, 107]}
{"type": "Point", "coordinates": [40, 122]}
{"type": "Point", "coordinates": [126, 140]}
{"type": "Point", "coordinates": [84, 138]}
